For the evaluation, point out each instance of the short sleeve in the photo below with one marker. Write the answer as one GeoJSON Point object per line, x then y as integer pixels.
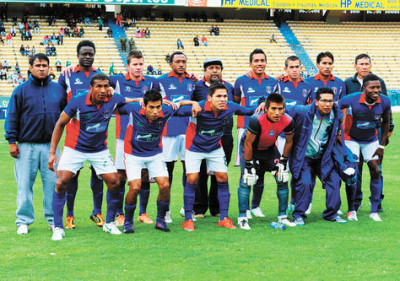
{"type": "Point", "coordinates": [254, 126]}
{"type": "Point", "coordinates": [72, 107]}
{"type": "Point", "coordinates": [289, 129]}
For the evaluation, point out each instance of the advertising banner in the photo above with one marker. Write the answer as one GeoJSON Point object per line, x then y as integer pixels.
{"type": "Point", "coordinates": [105, 2]}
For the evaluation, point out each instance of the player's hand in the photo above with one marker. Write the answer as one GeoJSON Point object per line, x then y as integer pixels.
{"type": "Point", "coordinates": [196, 109]}
{"type": "Point", "coordinates": [169, 103]}
{"type": "Point", "coordinates": [194, 76]}
{"type": "Point", "coordinates": [249, 176]}
{"type": "Point", "coordinates": [140, 101]}
{"type": "Point", "coordinates": [67, 71]}
{"type": "Point", "coordinates": [352, 176]}
{"type": "Point", "coordinates": [260, 108]}
{"type": "Point", "coordinates": [280, 77]}
{"type": "Point", "coordinates": [14, 150]}
{"type": "Point", "coordinates": [379, 152]}
{"type": "Point", "coordinates": [110, 93]}
{"type": "Point", "coordinates": [280, 171]}
{"type": "Point", "coordinates": [51, 163]}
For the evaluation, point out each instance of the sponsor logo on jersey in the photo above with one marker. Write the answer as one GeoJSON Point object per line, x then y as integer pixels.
{"type": "Point", "coordinates": [251, 90]}
{"type": "Point", "coordinates": [144, 137]}
{"type": "Point", "coordinates": [178, 98]}
{"type": "Point", "coordinates": [366, 125]}
{"type": "Point", "coordinates": [268, 88]}
{"type": "Point", "coordinates": [78, 81]}
{"type": "Point", "coordinates": [172, 87]}
{"type": "Point", "coordinates": [253, 101]}
{"type": "Point", "coordinates": [211, 133]}
{"type": "Point", "coordinates": [96, 127]}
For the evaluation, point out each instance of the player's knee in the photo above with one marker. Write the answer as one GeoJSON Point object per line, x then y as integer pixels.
{"type": "Point", "coordinates": [375, 172]}
{"type": "Point", "coordinates": [221, 177]}
{"type": "Point", "coordinates": [164, 186]}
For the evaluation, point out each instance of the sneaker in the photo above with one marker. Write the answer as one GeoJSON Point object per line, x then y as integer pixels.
{"type": "Point", "coordinates": [243, 223]}
{"type": "Point", "coordinates": [168, 217]}
{"type": "Point", "coordinates": [120, 220]}
{"type": "Point", "coordinates": [227, 223]}
{"type": "Point", "coordinates": [309, 209]}
{"type": "Point", "coordinates": [338, 219]}
{"type": "Point", "coordinates": [352, 216]}
{"type": "Point", "coordinates": [248, 214]}
{"type": "Point", "coordinates": [290, 208]}
{"type": "Point", "coordinates": [111, 228]}
{"type": "Point", "coordinates": [188, 225]}
{"type": "Point", "coordinates": [70, 222]}
{"type": "Point", "coordinates": [22, 229]}
{"type": "Point", "coordinates": [97, 219]}
{"type": "Point", "coordinates": [161, 225]}
{"type": "Point", "coordinates": [340, 212]}
{"type": "Point", "coordinates": [58, 234]}
{"type": "Point", "coordinates": [299, 221]}
{"type": "Point", "coordinates": [257, 212]}
{"type": "Point", "coordinates": [144, 218]}
{"type": "Point", "coordinates": [375, 217]}
{"type": "Point", "coordinates": [284, 220]}
{"type": "Point", "coordinates": [128, 227]}
{"type": "Point", "coordinates": [198, 216]}
{"type": "Point", "coordinates": [182, 212]}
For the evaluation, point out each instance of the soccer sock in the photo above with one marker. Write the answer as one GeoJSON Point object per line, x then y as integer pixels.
{"type": "Point", "coordinates": [188, 199]}
{"type": "Point", "coordinates": [144, 197]}
{"type": "Point", "coordinates": [162, 208]}
{"type": "Point", "coordinates": [97, 189]}
{"type": "Point", "coordinates": [72, 188]}
{"type": "Point", "coordinates": [58, 208]}
{"type": "Point", "coordinates": [129, 212]}
{"type": "Point", "coordinates": [121, 195]}
{"type": "Point", "coordinates": [282, 192]}
{"type": "Point", "coordinates": [223, 198]}
{"type": "Point", "coordinates": [351, 194]}
{"type": "Point", "coordinates": [376, 189]}
{"type": "Point", "coordinates": [112, 203]}
{"type": "Point", "coordinates": [257, 194]}
{"type": "Point", "coordinates": [243, 199]}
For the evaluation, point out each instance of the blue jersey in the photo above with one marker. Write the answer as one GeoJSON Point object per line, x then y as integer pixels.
{"type": "Point", "coordinates": [299, 91]}
{"type": "Point", "coordinates": [204, 132]}
{"type": "Point", "coordinates": [143, 136]}
{"type": "Point", "coordinates": [88, 127]}
{"type": "Point", "coordinates": [129, 88]}
{"type": "Point", "coordinates": [250, 89]}
{"type": "Point", "coordinates": [336, 84]}
{"type": "Point", "coordinates": [362, 120]}
{"type": "Point", "coordinates": [201, 93]}
{"type": "Point", "coordinates": [175, 89]}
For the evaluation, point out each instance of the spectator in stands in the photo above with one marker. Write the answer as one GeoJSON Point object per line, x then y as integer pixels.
{"type": "Point", "coordinates": [45, 40]}
{"type": "Point", "coordinates": [100, 21]}
{"type": "Point", "coordinates": [1, 40]}
{"type": "Point", "coordinates": [3, 74]}
{"type": "Point", "coordinates": [58, 65]}
{"type": "Point", "coordinates": [28, 51]}
{"type": "Point", "coordinates": [167, 57]}
{"type": "Point", "coordinates": [119, 20]}
{"type": "Point", "coordinates": [132, 45]}
{"type": "Point", "coordinates": [179, 44]}
{"type": "Point", "coordinates": [204, 40]}
{"type": "Point", "coordinates": [272, 39]}
{"type": "Point", "coordinates": [14, 78]}
{"type": "Point", "coordinates": [196, 41]}
{"type": "Point", "coordinates": [313, 71]}
{"type": "Point", "coordinates": [20, 79]}
{"type": "Point", "coordinates": [122, 41]}
{"type": "Point", "coordinates": [29, 35]}
{"type": "Point", "coordinates": [23, 35]}
{"type": "Point", "coordinates": [137, 30]}
{"type": "Point", "coordinates": [21, 27]}
{"type": "Point", "coordinates": [13, 31]}
{"type": "Point", "coordinates": [151, 70]}
{"type": "Point", "coordinates": [212, 31]}
{"type": "Point", "coordinates": [17, 68]}
{"type": "Point", "coordinates": [147, 33]}
{"type": "Point", "coordinates": [62, 31]}
{"type": "Point", "coordinates": [6, 65]}
{"type": "Point", "coordinates": [53, 39]}
{"type": "Point", "coordinates": [111, 69]}
{"type": "Point", "coordinates": [142, 33]}
{"type": "Point", "coordinates": [67, 31]}
{"type": "Point", "coordinates": [81, 32]}
{"type": "Point", "coordinates": [60, 39]}
{"type": "Point", "coordinates": [53, 50]}
{"type": "Point", "coordinates": [48, 50]}
{"type": "Point", "coordinates": [33, 50]}
{"type": "Point", "coordinates": [87, 21]}
{"type": "Point", "coordinates": [51, 73]}
{"type": "Point", "coordinates": [14, 20]}
{"type": "Point", "coordinates": [36, 26]}
{"type": "Point", "coordinates": [3, 30]}
{"type": "Point", "coordinates": [67, 63]}
{"type": "Point", "coordinates": [109, 32]}
{"type": "Point", "coordinates": [9, 38]}
{"type": "Point", "coordinates": [22, 50]}
{"type": "Point", "coordinates": [76, 32]}
{"type": "Point", "coordinates": [216, 30]}
{"type": "Point", "coordinates": [159, 70]}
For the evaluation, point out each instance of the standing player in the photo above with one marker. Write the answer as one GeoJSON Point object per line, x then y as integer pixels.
{"type": "Point", "coordinates": [175, 86]}
{"type": "Point", "coordinates": [259, 154]}
{"type": "Point", "coordinates": [133, 85]}
{"type": "Point", "coordinates": [212, 74]}
{"type": "Point", "coordinates": [90, 115]}
{"type": "Point", "coordinates": [363, 113]}
{"type": "Point", "coordinates": [75, 83]}
{"type": "Point", "coordinates": [247, 91]}
{"type": "Point", "coordinates": [204, 142]}
{"type": "Point", "coordinates": [143, 150]}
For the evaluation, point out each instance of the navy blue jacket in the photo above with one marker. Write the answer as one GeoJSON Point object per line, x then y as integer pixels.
{"type": "Point", "coordinates": [33, 111]}
{"type": "Point", "coordinates": [303, 116]}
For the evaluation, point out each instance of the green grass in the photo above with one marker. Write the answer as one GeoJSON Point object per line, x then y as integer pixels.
{"type": "Point", "coordinates": [321, 250]}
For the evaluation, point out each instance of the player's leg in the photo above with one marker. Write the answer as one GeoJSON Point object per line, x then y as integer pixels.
{"type": "Point", "coordinates": [144, 198]}
{"type": "Point", "coordinates": [201, 193]}
{"type": "Point", "coordinates": [96, 184]}
{"type": "Point", "coordinates": [72, 188]}
{"type": "Point", "coordinates": [119, 162]}
{"type": "Point", "coordinates": [359, 194]}
{"type": "Point", "coordinates": [170, 154]}
{"type": "Point", "coordinates": [351, 190]}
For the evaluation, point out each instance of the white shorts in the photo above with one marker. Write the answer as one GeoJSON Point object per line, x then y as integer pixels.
{"type": "Point", "coordinates": [216, 161]}
{"type": "Point", "coordinates": [280, 144]}
{"type": "Point", "coordinates": [73, 160]}
{"type": "Point", "coordinates": [240, 132]}
{"type": "Point", "coordinates": [119, 154]}
{"type": "Point", "coordinates": [155, 164]}
{"type": "Point", "coordinates": [367, 149]}
{"type": "Point", "coordinates": [173, 147]}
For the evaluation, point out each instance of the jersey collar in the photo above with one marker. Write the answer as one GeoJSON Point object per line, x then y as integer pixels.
{"type": "Point", "coordinates": [362, 99]}
{"type": "Point", "coordinates": [286, 79]}
{"type": "Point", "coordinates": [128, 77]}
{"type": "Point", "coordinates": [253, 77]}
{"type": "Point", "coordinates": [172, 74]}
{"type": "Point", "coordinates": [89, 101]}
{"type": "Point", "coordinates": [318, 77]}
{"type": "Point", "coordinates": [78, 69]}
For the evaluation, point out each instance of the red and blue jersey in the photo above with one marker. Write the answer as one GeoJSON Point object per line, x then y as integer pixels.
{"type": "Point", "coordinates": [129, 88]}
{"type": "Point", "coordinates": [176, 89]}
{"type": "Point", "coordinates": [250, 89]}
{"type": "Point", "coordinates": [362, 120]}
{"type": "Point", "coordinates": [204, 132]}
{"type": "Point", "coordinates": [201, 94]}
{"type": "Point", "coordinates": [295, 91]}
{"type": "Point", "coordinates": [88, 126]}
{"type": "Point", "coordinates": [336, 84]}
{"type": "Point", "coordinates": [143, 136]}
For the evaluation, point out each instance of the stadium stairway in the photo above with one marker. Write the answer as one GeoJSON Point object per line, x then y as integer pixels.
{"type": "Point", "coordinates": [296, 46]}
{"type": "Point", "coordinates": [118, 32]}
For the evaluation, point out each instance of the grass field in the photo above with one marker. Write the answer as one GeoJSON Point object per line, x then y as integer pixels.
{"type": "Point", "coordinates": [321, 250]}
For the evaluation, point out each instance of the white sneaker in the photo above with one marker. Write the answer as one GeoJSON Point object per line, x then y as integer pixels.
{"type": "Point", "coordinates": [375, 217]}
{"type": "Point", "coordinates": [111, 228]}
{"type": "Point", "coordinates": [257, 212]}
{"type": "Point", "coordinates": [182, 212]}
{"type": "Point", "coordinates": [352, 216]}
{"type": "Point", "coordinates": [58, 234]}
{"type": "Point", "coordinates": [340, 212]}
{"type": "Point", "coordinates": [248, 214]}
{"type": "Point", "coordinates": [168, 217]}
{"type": "Point", "coordinates": [22, 229]}
{"type": "Point", "coordinates": [284, 220]}
{"type": "Point", "coordinates": [309, 209]}
{"type": "Point", "coordinates": [243, 223]}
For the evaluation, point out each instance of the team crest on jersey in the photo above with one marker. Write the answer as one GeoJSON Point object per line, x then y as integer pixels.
{"type": "Point", "coordinates": [172, 87]}
{"type": "Point", "coordinates": [78, 81]}
{"type": "Point", "coordinates": [190, 87]}
{"type": "Point", "coordinates": [334, 89]}
{"type": "Point", "coordinates": [251, 90]}
{"type": "Point", "coordinates": [106, 114]}
{"type": "Point", "coordinates": [377, 116]}
{"type": "Point", "coordinates": [268, 88]}
{"type": "Point", "coordinates": [304, 92]}
{"type": "Point", "coordinates": [271, 133]}
{"type": "Point", "coordinates": [128, 89]}
{"type": "Point", "coordinates": [144, 89]}
{"type": "Point", "coordinates": [286, 90]}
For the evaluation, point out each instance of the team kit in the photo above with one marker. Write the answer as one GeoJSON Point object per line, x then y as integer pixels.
{"type": "Point", "coordinates": [290, 128]}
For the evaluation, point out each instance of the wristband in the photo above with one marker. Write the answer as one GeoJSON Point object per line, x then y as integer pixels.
{"type": "Point", "coordinates": [381, 147]}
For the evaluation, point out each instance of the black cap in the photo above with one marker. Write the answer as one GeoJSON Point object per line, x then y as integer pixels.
{"type": "Point", "coordinates": [212, 61]}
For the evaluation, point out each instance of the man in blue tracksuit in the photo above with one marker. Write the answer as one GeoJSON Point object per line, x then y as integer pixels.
{"type": "Point", "coordinates": [33, 111]}
{"type": "Point", "coordinates": [318, 126]}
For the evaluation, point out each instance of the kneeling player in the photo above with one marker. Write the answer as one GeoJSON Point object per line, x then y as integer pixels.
{"type": "Point", "coordinates": [143, 151]}
{"type": "Point", "coordinates": [259, 154]}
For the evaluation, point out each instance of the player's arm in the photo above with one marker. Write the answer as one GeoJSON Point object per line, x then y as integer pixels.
{"type": "Point", "coordinates": [248, 146]}
{"type": "Point", "coordinates": [55, 139]}
{"type": "Point", "coordinates": [196, 109]}
{"type": "Point", "coordinates": [237, 92]}
{"type": "Point", "coordinates": [288, 145]}
{"type": "Point", "coordinates": [250, 176]}
{"type": "Point", "coordinates": [11, 124]}
{"type": "Point", "coordinates": [384, 135]}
